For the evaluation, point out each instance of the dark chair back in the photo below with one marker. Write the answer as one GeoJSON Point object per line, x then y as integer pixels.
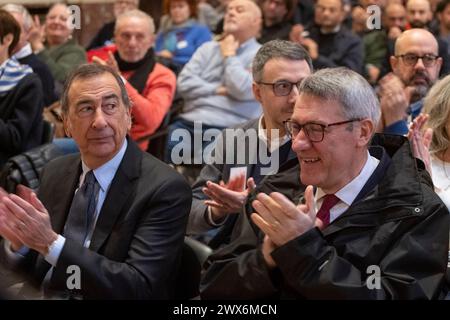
{"type": "Point", "coordinates": [48, 132]}
{"type": "Point", "coordinates": [193, 256]}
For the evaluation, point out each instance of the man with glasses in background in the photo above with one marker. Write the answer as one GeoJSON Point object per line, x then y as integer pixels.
{"type": "Point", "coordinates": [416, 67]}
{"type": "Point", "coordinates": [370, 227]}
{"type": "Point", "coordinates": [278, 68]}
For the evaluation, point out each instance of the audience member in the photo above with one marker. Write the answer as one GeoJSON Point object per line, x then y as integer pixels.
{"type": "Point", "coordinates": [443, 16]}
{"type": "Point", "coordinates": [415, 66]}
{"type": "Point", "coordinates": [277, 16]}
{"type": "Point", "coordinates": [150, 85]}
{"type": "Point", "coordinates": [24, 54]}
{"type": "Point", "coordinates": [328, 42]}
{"type": "Point", "coordinates": [21, 100]}
{"type": "Point", "coordinates": [419, 15]}
{"type": "Point", "coordinates": [437, 106]}
{"type": "Point", "coordinates": [115, 212]}
{"type": "Point", "coordinates": [216, 83]}
{"type": "Point", "coordinates": [180, 35]}
{"type": "Point", "coordinates": [54, 45]}
{"type": "Point", "coordinates": [105, 35]}
{"type": "Point", "coordinates": [378, 211]}
{"type": "Point", "coordinates": [278, 68]}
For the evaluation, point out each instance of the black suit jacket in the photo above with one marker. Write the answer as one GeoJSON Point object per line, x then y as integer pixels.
{"type": "Point", "coordinates": [396, 223]}
{"type": "Point", "coordinates": [136, 245]}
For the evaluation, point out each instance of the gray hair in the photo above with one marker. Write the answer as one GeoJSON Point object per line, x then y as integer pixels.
{"type": "Point", "coordinates": [88, 71]}
{"type": "Point", "coordinates": [278, 49]}
{"type": "Point", "coordinates": [136, 13]}
{"type": "Point", "coordinates": [20, 9]}
{"type": "Point", "coordinates": [351, 90]}
{"type": "Point", "coordinates": [437, 105]}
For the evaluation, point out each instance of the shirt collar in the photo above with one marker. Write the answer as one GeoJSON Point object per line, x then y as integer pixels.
{"type": "Point", "coordinates": [350, 191]}
{"type": "Point", "coordinates": [274, 143]}
{"type": "Point", "coordinates": [248, 43]}
{"type": "Point", "coordinates": [24, 52]}
{"type": "Point", "coordinates": [105, 173]}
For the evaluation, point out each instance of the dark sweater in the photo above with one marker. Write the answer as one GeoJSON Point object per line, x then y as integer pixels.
{"type": "Point", "coordinates": [43, 72]}
{"type": "Point", "coordinates": [21, 118]}
{"type": "Point", "coordinates": [104, 35]}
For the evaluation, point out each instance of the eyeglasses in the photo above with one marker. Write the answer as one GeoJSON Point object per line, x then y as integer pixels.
{"type": "Point", "coordinates": [314, 131]}
{"type": "Point", "coordinates": [281, 88]}
{"type": "Point", "coordinates": [410, 59]}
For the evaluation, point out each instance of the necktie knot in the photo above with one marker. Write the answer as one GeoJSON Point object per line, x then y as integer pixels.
{"type": "Point", "coordinates": [329, 201]}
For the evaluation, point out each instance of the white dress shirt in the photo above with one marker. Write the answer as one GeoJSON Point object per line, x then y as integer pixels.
{"type": "Point", "coordinates": [348, 193]}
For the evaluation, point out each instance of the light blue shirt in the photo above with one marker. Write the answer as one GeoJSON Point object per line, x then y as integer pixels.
{"type": "Point", "coordinates": [208, 70]}
{"type": "Point", "coordinates": [104, 175]}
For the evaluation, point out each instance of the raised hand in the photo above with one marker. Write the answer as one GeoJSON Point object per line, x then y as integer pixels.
{"type": "Point", "coordinates": [227, 198]}
{"type": "Point", "coordinates": [420, 139]}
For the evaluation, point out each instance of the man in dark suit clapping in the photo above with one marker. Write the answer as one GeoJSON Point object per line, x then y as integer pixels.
{"type": "Point", "coordinates": [114, 214]}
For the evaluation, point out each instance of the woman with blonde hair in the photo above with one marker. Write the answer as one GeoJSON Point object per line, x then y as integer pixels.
{"type": "Point", "coordinates": [437, 107]}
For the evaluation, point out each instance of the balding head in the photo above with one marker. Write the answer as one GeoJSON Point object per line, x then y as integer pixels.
{"type": "Point", "coordinates": [416, 38]}
{"type": "Point", "coordinates": [243, 19]}
{"type": "Point", "coordinates": [418, 73]}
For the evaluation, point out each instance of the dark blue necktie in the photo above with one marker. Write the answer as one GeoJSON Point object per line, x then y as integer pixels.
{"type": "Point", "coordinates": [82, 210]}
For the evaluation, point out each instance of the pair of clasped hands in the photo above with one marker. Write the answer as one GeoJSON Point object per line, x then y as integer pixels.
{"type": "Point", "coordinates": [24, 220]}
{"type": "Point", "coordinates": [276, 216]}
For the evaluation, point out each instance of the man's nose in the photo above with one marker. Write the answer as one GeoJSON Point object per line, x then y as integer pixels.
{"type": "Point", "coordinates": [301, 142]}
{"type": "Point", "coordinates": [419, 64]}
{"type": "Point", "coordinates": [293, 95]}
{"type": "Point", "coordinates": [99, 119]}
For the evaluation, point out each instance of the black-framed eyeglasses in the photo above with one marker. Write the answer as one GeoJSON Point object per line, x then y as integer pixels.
{"type": "Point", "coordinates": [314, 131]}
{"type": "Point", "coordinates": [411, 59]}
{"type": "Point", "coordinates": [281, 88]}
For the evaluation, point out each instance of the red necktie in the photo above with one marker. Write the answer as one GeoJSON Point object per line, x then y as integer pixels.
{"type": "Point", "coordinates": [329, 201]}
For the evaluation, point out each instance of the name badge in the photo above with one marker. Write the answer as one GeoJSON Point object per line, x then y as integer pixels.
{"type": "Point", "coordinates": [182, 44]}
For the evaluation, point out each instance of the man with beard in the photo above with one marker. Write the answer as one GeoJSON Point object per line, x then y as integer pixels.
{"type": "Point", "coordinates": [420, 15]}
{"type": "Point", "coordinates": [150, 85]}
{"type": "Point", "coordinates": [416, 65]}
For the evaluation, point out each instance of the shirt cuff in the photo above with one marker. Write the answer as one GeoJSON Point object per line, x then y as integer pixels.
{"type": "Point", "coordinates": [211, 221]}
{"type": "Point", "coordinates": [54, 251]}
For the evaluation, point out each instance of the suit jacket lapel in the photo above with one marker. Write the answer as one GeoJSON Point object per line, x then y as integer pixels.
{"type": "Point", "coordinates": [120, 190]}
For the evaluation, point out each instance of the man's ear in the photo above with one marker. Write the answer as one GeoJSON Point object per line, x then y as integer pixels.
{"type": "Point", "coordinates": [256, 91]}
{"type": "Point", "coordinates": [366, 131]}
{"type": "Point", "coordinates": [394, 62]}
{"type": "Point", "coordinates": [129, 119]}
{"type": "Point", "coordinates": [439, 64]}
{"type": "Point", "coordinates": [66, 124]}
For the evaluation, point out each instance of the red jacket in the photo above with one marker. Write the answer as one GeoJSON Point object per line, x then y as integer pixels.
{"type": "Point", "coordinates": [149, 109]}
